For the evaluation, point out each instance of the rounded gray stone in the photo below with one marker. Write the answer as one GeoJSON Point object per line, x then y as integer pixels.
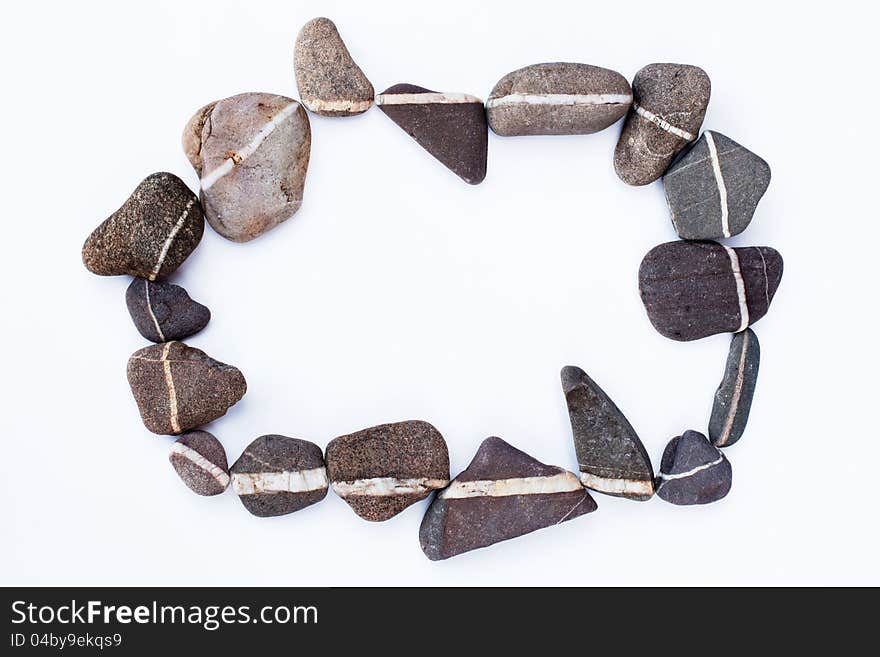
{"type": "Point", "coordinates": [162, 312]}
{"type": "Point", "coordinates": [200, 461]}
{"type": "Point", "coordinates": [693, 471]}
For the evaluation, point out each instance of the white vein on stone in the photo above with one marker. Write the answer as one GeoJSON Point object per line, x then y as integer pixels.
{"type": "Point", "coordinates": [766, 280]}
{"type": "Point", "coordinates": [663, 125]}
{"type": "Point", "coordinates": [319, 105]}
{"type": "Point", "coordinates": [151, 313]}
{"type": "Point", "coordinates": [197, 459]}
{"type": "Point", "coordinates": [719, 180]}
{"type": "Point", "coordinates": [664, 477]}
{"type": "Point", "coordinates": [172, 391]}
{"type": "Point", "coordinates": [617, 486]}
{"type": "Point", "coordinates": [740, 289]}
{"type": "Point", "coordinates": [737, 393]}
{"type": "Point", "coordinates": [251, 147]}
{"type": "Point", "coordinates": [559, 99]}
{"type": "Point", "coordinates": [387, 486]}
{"type": "Point", "coordinates": [170, 239]}
{"type": "Point", "coordinates": [425, 98]}
{"type": "Point", "coordinates": [563, 482]}
{"type": "Point", "coordinates": [286, 481]}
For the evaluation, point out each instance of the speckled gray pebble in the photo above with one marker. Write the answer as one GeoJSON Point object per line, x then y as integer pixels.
{"type": "Point", "coordinates": [251, 152]}
{"type": "Point", "coordinates": [162, 312]}
{"type": "Point", "coordinates": [450, 126]}
{"type": "Point", "coordinates": [200, 461]}
{"type": "Point", "coordinates": [277, 475]}
{"type": "Point", "coordinates": [611, 457]}
{"type": "Point", "coordinates": [178, 387]}
{"type": "Point", "coordinates": [695, 289]}
{"type": "Point", "coordinates": [329, 81]}
{"type": "Point", "coordinates": [557, 99]}
{"type": "Point", "coordinates": [693, 471]}
{"type": "Point", "coordinates": [669, 104]}
{"type": "Point", "coordinates": [153, 232]}
{"type": "Point", "coordinates": [733, 399]}
{"type": "Point", "coordinates": [504, 493]}
{"type": "Point", "coordinates": [714, 188]}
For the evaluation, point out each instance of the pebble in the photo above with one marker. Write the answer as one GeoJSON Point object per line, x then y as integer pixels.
{"type": "Point", "coordinates": [251, 152]}
{"type": "Point", "coordinates": [693, 471]}
{"type": "Point", "coordinates": [558, 99]}
{"type": "Point", "coordinates": [277, 475]}
{"type": "Point", "coordinates": [611, 457]}
{"type": "Point", "coordinates": [669, 104]}
{"type": "Point", "coordinates": [162, 312]}
{"type": "Point", "coordinates": [733, 399]}
{"type": "Point", "coordinates": [151, 235]}
{"type": "Point", "coordinates": [695, 289]}
{"type": "Point", "coordinates": [178, 388]}
{"type": "Point", "coordinates": [382, 470]}
{"type": "Point", "coordinates": [714, 188]}
{"type": "Point", "coordinates": [200, 461]}
{"type": "Point", "coordinates": [329, 81]}
{"type": "Point", "coordinates": [450, 126]}
{"type": "Point", "coordinates": [504, 493]}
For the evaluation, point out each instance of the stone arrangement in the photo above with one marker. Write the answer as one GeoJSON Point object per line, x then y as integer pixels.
{"type": "Point", "coordinates": [251, 153]}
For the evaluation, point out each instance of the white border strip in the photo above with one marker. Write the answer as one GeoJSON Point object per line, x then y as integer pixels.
{"type": "Point", "coordinates": [564, 482]}
{"type": "Point", "coordinates": [426, 98]}
{"type": "Point", "coordinates": [740, 289]}
{"type": "Point", "coordinates": [286, 481]}
{"type": "Point", "coordinates": [319, 105]}
{"type": "Point", "coordinates": [559, 99]}
{"type": "Point", "coordinates": [664, 125]}
{"type": "Point", "coordinates": [617, 486]}
{"type": "Point", "coordinates": [385, 486]}
{"type": "Point", "coordinates": [719, 180]}
{"type": "Point", "coordinates": [194, 457]}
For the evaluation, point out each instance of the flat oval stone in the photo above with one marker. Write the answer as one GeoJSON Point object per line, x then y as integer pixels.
{"type": "Point", "coordinates": [669, 104]}
{"type": "Point", "coordinates": [695, 289]}
{"type": "Point", "coordinates": [329, 82]}
{"type": "Point", "coordinates": [693, 471]}
{"type": "Point", "coordinates": [713, 189]}
{"type": "Point", "coordinates": [151, 235]}
{"type": "Point", "coordinates": [611, 457]}
{"type": "Point", "coordinates": [503, 493]}
{"type": "Point", "coordinates": [450, 126]}
{"type": "Point", "coordinates": [733, 399]}
{"type": "Point", "coordinates": [251, 152]}
{"type": "Point", "coordinates": [277, 475]}
{"type": "Point", "coordinates": [162, 312]}
{"type": "Point", "coordinates": [557, 99]}
{"type": "Point", "coordinates": [200, 461]}
{"type": "Point", "coordinates": [178, 387]}
{"type": "Point", "coordinates": [382, 470]}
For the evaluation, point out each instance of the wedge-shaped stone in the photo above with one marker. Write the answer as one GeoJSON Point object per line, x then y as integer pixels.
{"type": "Point", "coordinates": [504, 493]}
{"type": "Point", "coordinates": [450, 126]}
{"type": "Point", "coordinates": [693, 471]}
{"type": "Point", "coordinates": [611, 457]}
{"type": "Point", "coordinates": [733, 399]}
{"type": "Point", "coordinates": [162, 312]}
{"type": "Point", "coordinates": [695, 289]}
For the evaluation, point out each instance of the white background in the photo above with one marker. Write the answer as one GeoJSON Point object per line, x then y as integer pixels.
{"type": "Point", "coordinates": [399, 292]}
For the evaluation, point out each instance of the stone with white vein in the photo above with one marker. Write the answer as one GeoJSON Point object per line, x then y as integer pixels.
{"type": "Point", "coordinates": [382, 470]}
{"type": "Point", "coordinates": [669, 104]}
{"type": "Point", "coordinates": [200, 461]}
{"type": "Point", "coordinates": [713, 189]}
{"type": "Point", "coordinates": [733, 399]}
{"type": "Point", "coordinates": [557, 98]}
{"type": "Point", "coordinates": [151, 235]}
{"type": "Point", "coordinates": [277, 475]}
{"type": "Point", "coordinates": [162, 312]}
{"type": "Point", "coordinates": [503, 493]}
{"type": "Point", "coordinates": [251, 152]}
{"type": "Point", "coordinates": [178, 387]}
{"type": "Point", "coordinates": [695, 289]}
{"type": "Point", "coordinates": [693, 471]}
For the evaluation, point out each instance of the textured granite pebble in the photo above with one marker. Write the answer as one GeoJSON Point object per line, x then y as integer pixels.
{"type": "Point", "coordinates": [611, 457]}
{"type": "Point", "coordinates": [733, 399]}
{"type": "Point", "coordinates": [251, 152]}
{"type": "Point", "coordinates": [329, 81]}
{"type": "Point", "coordinates": [504, 493]}
{"type": "Point", "coordinates": [695, 289]}
{"type": "Point", "coordinates": [557, 99]}
{"type": "Point", "coordinates": [450, 126]}
{"type": "Point", "coordinates": [669, 104]}
{"type": "Point", "coordinates": [178, 388]}
{"type": "Point", "coordinates": [153, 232]}
{"type": "Point", "coordinates": [693, 471]}
{"type": "Point", "coordinates": [162, 312]}
{"type": "Point", "coordinates": [277, 475]}
{"type": "Point", "coordinates": [382, 470]}
{"type": "Point", "coordinates": [200, 461]}
{"type": "Point", "coordinates": [714, 188]}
